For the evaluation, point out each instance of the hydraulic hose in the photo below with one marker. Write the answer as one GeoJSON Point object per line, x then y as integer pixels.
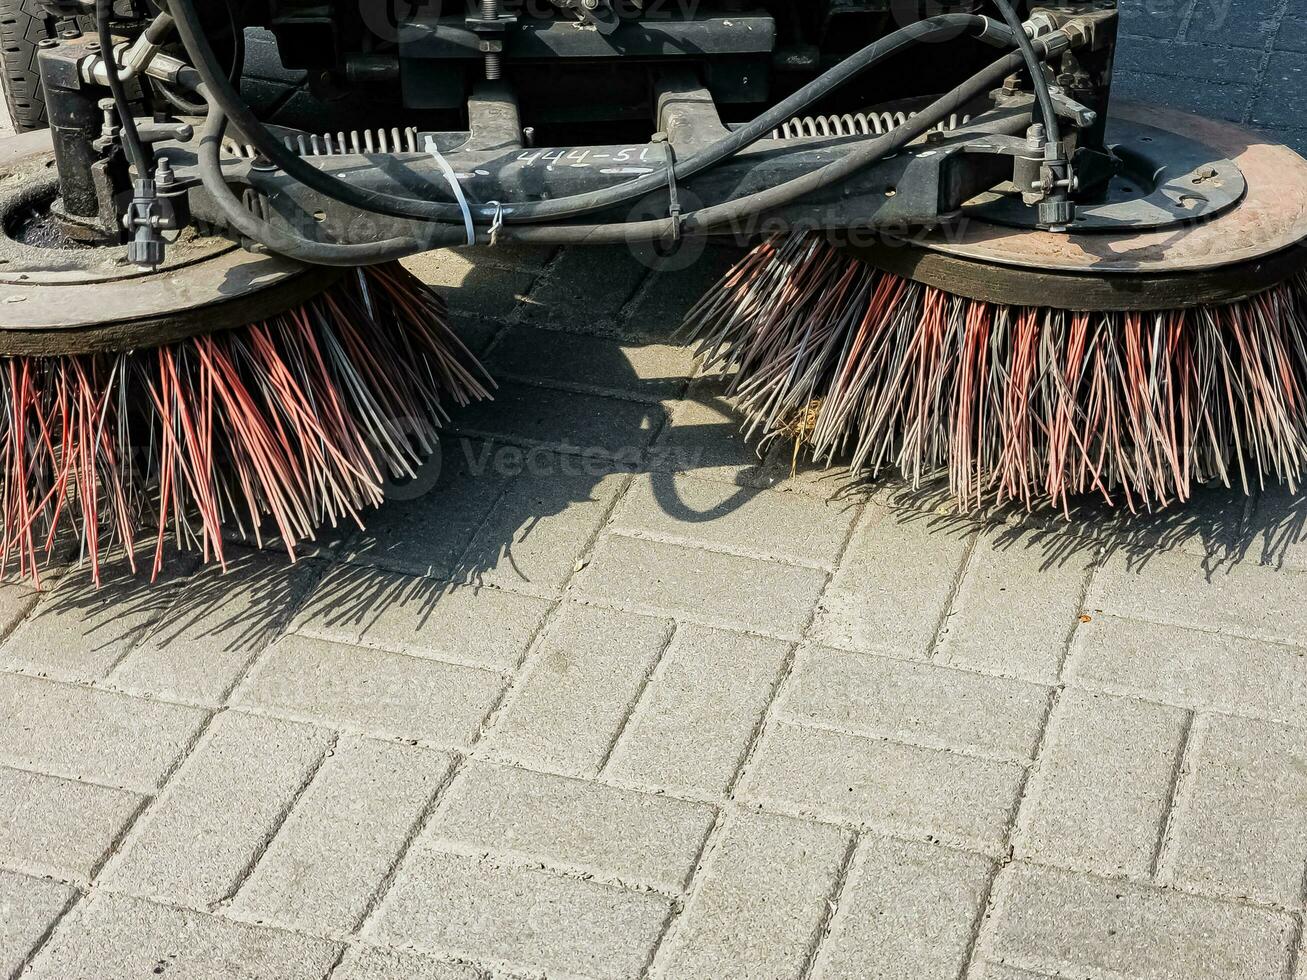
{"type": "Point", "coordinates": [740, 210]}
{"type": "Point", "coordinates": [1033, 65]}
{"type": "Point", "coordinates": [702, 221]}
{"type": "Point", "coordinates": [131, 136]}
{"type": "Point", "coordinates": [296, 246]}
{"type": "Point", "coordinates": [225, 97]}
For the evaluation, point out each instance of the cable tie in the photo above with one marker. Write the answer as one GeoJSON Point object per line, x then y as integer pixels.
{"type": "Point", "coordinates": [455, 186]}
{"type": "Point", "coordinates": [497, 224]}
{"type": "Point", "coordinates": [673, 193]}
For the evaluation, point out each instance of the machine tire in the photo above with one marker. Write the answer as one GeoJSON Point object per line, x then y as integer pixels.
{"type": "Point", "coordinates": [23, 25]}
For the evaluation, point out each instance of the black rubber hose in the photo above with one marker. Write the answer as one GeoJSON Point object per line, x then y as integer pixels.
{"type": "Point", "coordinates": [290, 245]}
{"type": "Point", "coordinates": [1033, 65]}
{"type": "Point", "coordinates": [721, 217]}
{"type": "Point", "coordinates": [131, 136]}
{"type": "Point", "coordinates": [225, 97]}
{"type": "Point", "coordinates": [703, 221]}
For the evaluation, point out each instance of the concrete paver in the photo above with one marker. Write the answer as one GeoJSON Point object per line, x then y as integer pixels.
{"type": "Point", "coordinates": [612, 695]}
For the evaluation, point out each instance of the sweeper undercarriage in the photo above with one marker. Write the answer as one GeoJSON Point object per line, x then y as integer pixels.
{"type": "Point", "coordinates": [969, 156]}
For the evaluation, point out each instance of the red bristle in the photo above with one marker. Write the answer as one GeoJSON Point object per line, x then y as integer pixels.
{"type": "Point", "coordinates": [1029, 405]}
{"type": "Point", "coordinates": [292, 422]}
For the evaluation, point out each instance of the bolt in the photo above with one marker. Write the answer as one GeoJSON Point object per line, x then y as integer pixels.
{"type": "Point", "coordinates": [494, 61]}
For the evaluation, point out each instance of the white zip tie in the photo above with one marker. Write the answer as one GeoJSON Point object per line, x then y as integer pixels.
{"type": "Point", "coordinates": [455, 186]}
{"type": "Point", "coordinates": [497, 225]}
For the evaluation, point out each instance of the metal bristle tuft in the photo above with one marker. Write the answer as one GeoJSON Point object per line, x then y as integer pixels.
{"type": "Point", "coordinates": [1033, 406]}
{"type": "Point", "coordinates": [291, 423]}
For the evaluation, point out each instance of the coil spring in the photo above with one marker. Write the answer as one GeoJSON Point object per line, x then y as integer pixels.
{"type": "Point", "coordinates": [856, 124]}
{"type": "Point", "coordinates": [336, 144]}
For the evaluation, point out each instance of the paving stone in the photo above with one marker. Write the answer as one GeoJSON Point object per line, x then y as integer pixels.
{"type": "Point", "coordinates": [1199, 63]}
{"type": "Point", "coordinates": [657, 309]}
{"type": "Point", "coordinates": [78, 632]}
{"type": "Point", "coordinates": [759, 904]}
{"type": "Point", "coordinates": [426, 532]}
{"type": "Point", "coordinates": [703, 437]}
{"type": "Point", "coordinates": [565, 421]}
{"type": "Point", "coordinates": [997, 971]}
{"type": "Point", "coordinates": [1238, 829]}
{"type": "Point", "coordinates": [1247, 600]}
{"type": "Point", "coordinates": [194, 844]}
{"type": "Point", "coordinates": [386, 694]}
{"type": "Point", "coordinates": [480, 627]}
{"type": "Point", "coordinates": [364, 963]}
{"type": "Point", "coordinates": [345, 833]}
{"type": "Point", "coordinates": [16, 601]}
{"type": "Point", "coordinates": [59, 827]}
{"type": "Point", "coordinates": [1068, 924]}
{"type": "Point", "coordinates": [1281, 101]}
{"type": "Point", "coordinates": [899, 789]}
{"type": "Point", "coordinates": [1194, 669]}
{"type": "Point", "coordinates": [700, 712]}
{"type": "Point", "coordinates": [585, 289]}
{"type": "Point", "coordinates": [1106, 775]}
{"type": "Point", "coordinates": [539, 530]}
{"type": "Point", "coordinates": [707, 587]}
{"type": "Point", "coordinates": [908, 912]}
{"type": "Point", "coordinates": [468, 907]}
{"type": "Point", "coordinates": [1155, 18]}
{"type": "Point", "coordinates": [505, 255]}
{"type": "Point", "coordinates": [651, 372]}
{"type": "Point", "coordinates": [472, 285]}
{"type": "Point", "coordinates": [634, 839]}
{"type": "Point", "coordinates": [1293, 28]}
{"type": "Point", "coordinates": [912, 702]}
{"type": "Point", "coordinates": [1014, 612]}
{"type": "Point", "coordinates": [1279, 527]}
{"type": "Point", "coordinates": [579, 689]}
{"type": "Point", "coordinates": [893, 586]}
{"type": "Point", "coordinates": [77, 732]}
{"type": "Point", "coordinates": [28, 908]}
{"type": "Point", "coordinates": [113, 937]}
{"type": "Point", "coordinates": [201, 648]}
{"type": "Point", "coordinates": [762, 524]}
{"type": "Point", "coordinates": [1248, 23]}
{"type": "Point", "coordinates": [1229, 100]}
{"type": "Point", "coordinates": [834, 485]}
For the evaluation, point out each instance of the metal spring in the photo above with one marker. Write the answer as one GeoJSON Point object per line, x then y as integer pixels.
{"type": "Point", "coordinates": [336, 144]}
{"type": "Point", "coordinates": [855, 124]}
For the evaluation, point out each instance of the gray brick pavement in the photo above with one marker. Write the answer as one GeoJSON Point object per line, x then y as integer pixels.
{"type": "Point", "coordinates": [622, 699]}
{"type": "Point", "coordinates": [591, 709]}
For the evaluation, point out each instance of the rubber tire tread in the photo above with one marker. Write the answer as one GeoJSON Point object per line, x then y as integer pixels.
{"type": "Point", "coordinates": [24, 24]}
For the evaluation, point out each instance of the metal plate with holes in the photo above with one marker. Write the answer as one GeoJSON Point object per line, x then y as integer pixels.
{"type": "Point", "coordinates": [1168, 179]}
{"type": "Point", "coordinates": [61, 299]}
{"type": "Point", "coordinates": [1270, 218]}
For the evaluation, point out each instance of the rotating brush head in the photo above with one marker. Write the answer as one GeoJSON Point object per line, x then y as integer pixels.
{"type": "Point", "coordinates": [288, 424]}
{"type": "Point", "coordinates": [1012, 404]}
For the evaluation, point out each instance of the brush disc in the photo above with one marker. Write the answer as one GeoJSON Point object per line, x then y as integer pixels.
{"type": "Point", "coordinates": [1021, 366]}
{"type": "Point", "coordinates": [1120, 256]}
{"type": "Point", "coordinates": [60, 296]}
{"type": "Point", "coordinates": [222, 395]}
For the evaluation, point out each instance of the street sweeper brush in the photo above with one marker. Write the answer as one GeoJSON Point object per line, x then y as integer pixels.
{"type": "Point", "coordinates": [1127, 362]}
{"type": "Point", "coordinates": [979, 261]}
{"type": "Point", "coordinates": [223, 393]}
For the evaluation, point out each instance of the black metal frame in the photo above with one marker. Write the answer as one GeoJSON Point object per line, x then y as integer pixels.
{"type": "Point", "coordinates": [926, 183]}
